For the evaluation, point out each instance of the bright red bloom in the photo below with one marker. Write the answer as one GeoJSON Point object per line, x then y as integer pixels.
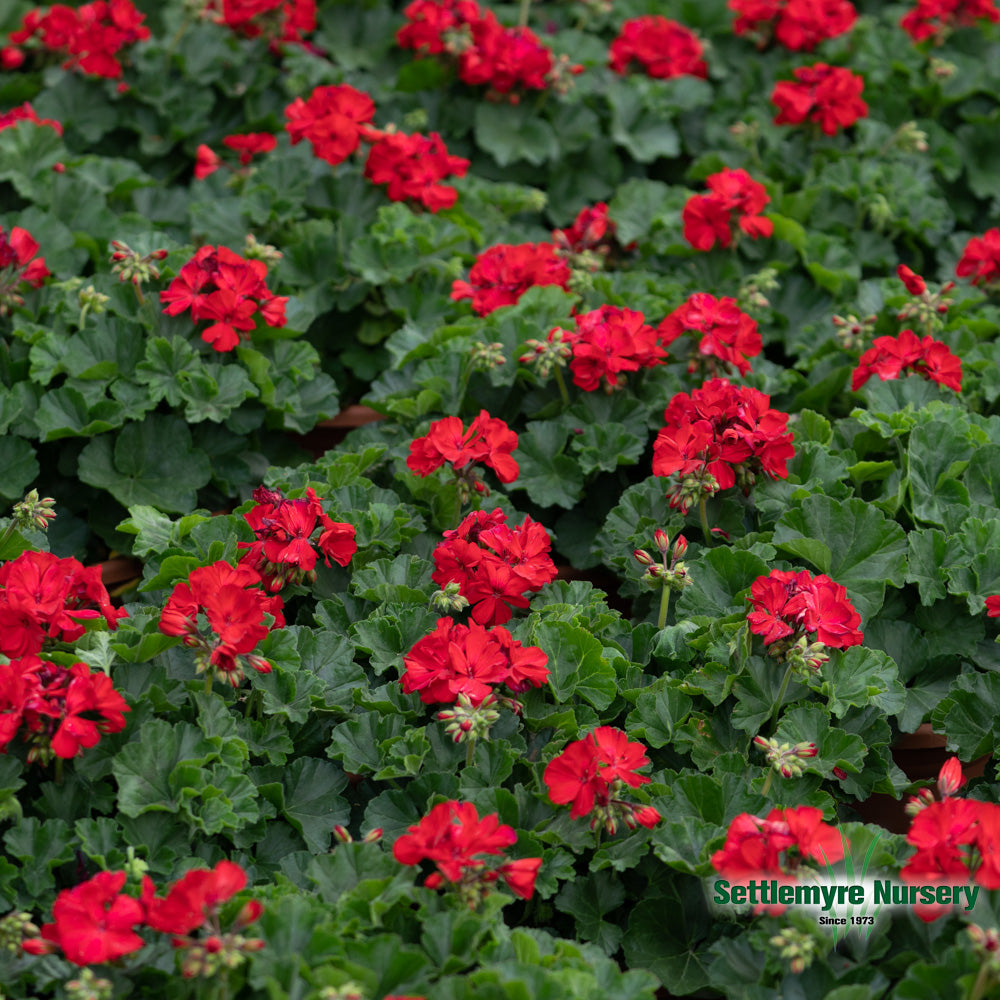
{"type": "Point", "coordinates": [980, 259]}
{"type": "Point", "coordinates": [827, 95]}
{"type": "Point", "coordinates": [799, 25]}
{"type": "Point", "coordinates": [503, 273]}
{"type": "Point", "coordinates": [734, 204]}
{"type": "Point", "coordinates": [430, 21]}
{"type": "Point", "coordinates": [26, 113]}
{"type": "Point", "coordinates": [937, 18]}
{"type": "Point", "coordinates": [592, 232]}
{"type": "Point", "coordinates": [90, 36]}
{"type": "Point", "coordinates": [727, 333]}
{"type": "Point", "coordinates": [278, 20]}
{"type": "Point", "coordinates": [889, 357]}
{"type": "Point", "coordinates": [504, 59]}
{"type": "Point", "coordinates": [194, 898]}
{"type": "Point", "coordinates": [236, 609]}
{"type": "Point", "coordinates": [915, 285]}
{"type": "Point", "coordinates": [207, 161]}
{"type": "Point", "coordinates": [454, 837]}
{"type": "Point", "coordinates": [284, 551]}
{"type": "Point", "coordinates": [19, 267]}
{"type": "Point", "coordinates": [494, 565]}
{"type": "Point", "coordinates": [460, 659]}
{"type": "Point", "coordinates": [993, 606]}
{"type": "Point", "coordinates": [786, 603]}
{"type": "Point", "coordinates": [43, 596]}
{"type": "Point", "coordinates": [488, 440]}
{"type": "Point", "coordinates": [88, 695]}
{"type": "Point", "coordinates": [250, 144]}
{"type": "Point", "coordinates": [722, 431]}
{"type": "Point", "coordinates": [608, 342]}
{"type": "Point", "coordinates": [333, 118]}
{"type": "Point", "coordinates": [219, 285]}
{"type": "Point", "coordinates": [413, 166]}
{"type": "Point", "coordinates": [92, 923]}
{"type": "Point", "coordinates": [663, 48]}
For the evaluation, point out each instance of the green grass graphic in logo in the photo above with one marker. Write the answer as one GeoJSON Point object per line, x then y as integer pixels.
{"type": "Point", "coordinates": [858, 917]}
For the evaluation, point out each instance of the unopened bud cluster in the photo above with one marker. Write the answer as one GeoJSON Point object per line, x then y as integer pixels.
{"type": "Point", "coordinates": [349, 991]}
{"type": "Point", "coordinates": [609, 814]}
{"type": "Point", "coordinates": [670, 571]}
{"type": "Point", "coordinates": [467, 721]}
{"type": "Point", "coordinates": [928, 307]}
{"type": "Point", "coordinates": [342, 834]}
{"type": "Point", "coordinates": [950, 780]}
{"type": "Point", "coordinates": [32, 512]}
{"type": "Point", "coordinates": [89, 986]}
{"type": "Point", "coordinates": [449, 600]}
{"type": "Point", "coordinates": [253, 249]}
{"type": "Point", "coordinates": [785, 757]}
{"type": "Point", "coordinates": [851, 331]}
{"type": "Point", "coordinates": [691, 489]}
{"type": "Point", "coordinates": [210, 955]}
{"type": "Point", "coordinates": [132, 266]}
{"type": "Point", "coordinates": [986, 946]}
{"type": "Point", "coordinates": [753, 293]}
{"type": "Point", "coordinates": [805, 657]}
{"type": "Point", "coordinates": [797, 947]}
{"type": "Point", "coordinates": [91, 300]}
{"type": "Point", "coordinates": [547, 354]}
{"type": "Point", "coordinates": [14, 928]}
{"type": "Point", "coordinates": [486, 357]}
{"type": "Point", "coordinates": [908, 138]}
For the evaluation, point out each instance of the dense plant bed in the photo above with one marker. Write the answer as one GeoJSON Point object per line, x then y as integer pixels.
{"type": "Point", "coordinates": [503, 486]}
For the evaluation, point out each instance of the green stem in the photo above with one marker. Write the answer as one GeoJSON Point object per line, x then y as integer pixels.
{"type": "Point", "coordinates": [561, 382]}
{"type": "Point", "coordinates": [661, 620]}
{"type": "Point", "coordinates": [208, 682]}
{"type": "Point", "coordinates": [522, 18]}
{"type": "Point", "coordinates": [470, 752]}
{"type": "Point", "coordinates": [138, 294]}
{"type": "Point", "coordinates": [767, 781]}
{"type": "Point", "coordinates": [59, 770]}
{"type": "Point", "coordinates": [780, 698]}
{"type": "Point", "coordinates": [979, 986]}
{"type": "Point", "coordinates": [703, 515]}
{"type": "Point", "coordinates": [7, 532]}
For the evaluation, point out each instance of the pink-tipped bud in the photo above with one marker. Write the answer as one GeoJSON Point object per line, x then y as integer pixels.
{"type": "Point", "coordinates": [763, 742]}
{"type": "Point", "coordinates": [839, 772]}
{"type": "Point", "coordinates": [373, 835]}
{"type": "Point", "coordinates": [950, 777]}
{"type": "Point", "coordinates": [643, 557]}
{"type": "Point", "coordinates": [252, 944]}
{"type": "Point", "coordinates": [250, 912]}
{"type": "Point", "coordinates": [680, 547]}
{"type": "Point", "coordinates": [341, 833]}
{"type": "Point", "coordinates": [805, 750]}
{"type": "Point", "coordinates": [662, 540]}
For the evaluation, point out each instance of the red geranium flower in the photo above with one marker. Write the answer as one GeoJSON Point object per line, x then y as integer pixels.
{"type": "Point", "coordinates": [278, 20]}
{"type": "Point", "coordinates": [727, 333]}
{"type": "Point", "coordinates": [889, 357]}
{"type": "Point", "coordinates": [333, 118]}
{"type": "Point", "coordinates": [797, 24]}
{"type": "Point", "coordinates": [92, 923]}
{"type": "Point", "coordinates": [194, 898]}
{"type": "Point", "coordinates": [592, 232]}
{"type": "Point", "coordinates": [454, 837]}
{"type": "Point", "coordinates": [505, 59]}
{"type": "Point", "coordinates": [413, 166]}
{"type": "Point", "coordinates": [26, 113]}
{"type": "Point", "coordinates": [827, 95]}
{"type": "Point", "coordinates": [488, 440]}
{"type": "Point", "coordinates": [503, 273]}
{"type": "Point", "coordinates": [19, 267]}
{"type": "Point", "coordinates": [937, 18]}
{"type": "Point", "coordinates": [981, 259]}
{"type": "Point", "coordinates": [429, 22]}
{"type": "Point", "coordinates": [663, 48]}
{"type": "Point", "coordinates": [733, 206]}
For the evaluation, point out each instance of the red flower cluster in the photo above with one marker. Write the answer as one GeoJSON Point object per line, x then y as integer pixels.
{"type": "Point", "coordinates": [279, 20]}
{"type": "Point", "coordinates": [494, 565]}
{"type": "Point", "coordinates": [981, 259]}
{"type": "Point", "coordinates": [18, 268]}
{"type": "Point", "coordinates": [488, 440]}
{"type": "Point", "coordinates": [797, 24]}
{"type": "Point", "coordinates": [787, 604]}
{"type": "Point", "coordinates": [608, 342]}
{"type": "Point", "coordinates": [936, 18]}
{"type": "Point", "coordinates": [733, 206]}
{"type": "Point", "coordinates": [470, 660]}
{"type": "Point", "coordinates": [503, 273]}
{"type": "Point", "coordinates": [413, 166]}
{"type": "Point", "coordinates": [26, 113]}
{"type": "Point", "coordinates": [663, 48]}
{"type": "Point", "coordinates": [827, 95]}
{"type": "Point", "coordinates": [61, 709]}
{"type": "Point", "coordinates": [727, 333]}
{"type": "Point", "coordinates": [888, 357]}
{"type": "Point", "coordinates": [45, 597]}
{"type": "Point", "coordinates": [95, 921]}
{"type": "Point", "coordinates": [592, 232]}
{"type": "Point", "coordinates": [219, 285]}
{"type": "Point", "coordinates": [236, 608]}
{"type": "Point", "coordinates": [720, 435]}
{"type": "Point", "coordinates": [769, 848]}
{"type": "Point", "coordinates": [248, 146]}
{"type": "Point", "coordinates": [90, 37]}
{"type": "Point", "coordinates": [993, 606]}
{"type": "Point", "coordinates": [507, 60]}
{"type": "Point", "coordinates": [334, 119]}
{"type": "Point", "coordinates": [454, 837]}
{"type": "Point", "coordinates": [285, 551]}
{"type": "Point", "coordinates": [590, 773]}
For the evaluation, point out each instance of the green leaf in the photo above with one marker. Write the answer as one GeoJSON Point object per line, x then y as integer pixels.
{"type": "Point", "coordinates": [970, 715]}
{"type": "Point", "coordinates": [834, 746]}
{"type": "Point", "coordinates": [859, 677]}
{"type": "Point", "coordinates": [312, 802]}
{"type": "Point", "coordinates": [404, 580]}
{"type": "Point", "coordinates": [41, 846]}
{"type": "Point", "coordinates": [152, 463]}
{"type": "Point", "coordinates": [550, 477]}
{"type": "Point", "coordinates": [576, 663]}
{"type": "Point", "coordinates": [514, 132]}
{"type": "Point", "coordinates": [867, 550]}
{"type": "Point", "coordinates": [165, 362]}
{"type": "Point", "coordinates": [656, 715]}
{"type": "Point", "coordinates": [587, 900]}
{"type": "Point", "coordinates": [64, 412]}
{"type": "Point", "coordinates": [20, 469]}
{"type": "Point", "coordinates": [722, 575]}
{"type": "Point", "coordinates": [927, 554]}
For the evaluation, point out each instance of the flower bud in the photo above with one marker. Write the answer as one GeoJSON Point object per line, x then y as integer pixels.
{"type": "Point", "coordinates": [950, 777]}
{"type": "Point", "coordinates": [662, 540]}
{"type": "Point", "coordinates": [373, 836]}
{"type": "Point", "coordinates": [680, 547]}
{"type": "Point", "coordinates": [643, 557]}
{"type": "Point", "coordinates": [341, 833]}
